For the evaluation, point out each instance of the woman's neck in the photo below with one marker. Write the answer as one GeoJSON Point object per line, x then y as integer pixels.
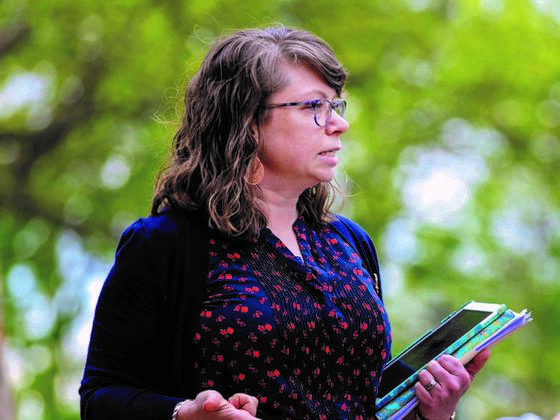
{"type": "Point", "coordinates": [281, 213]}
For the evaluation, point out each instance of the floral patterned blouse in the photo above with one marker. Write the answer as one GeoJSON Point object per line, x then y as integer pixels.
{"type": "Point", "coordinates": [309, 338]}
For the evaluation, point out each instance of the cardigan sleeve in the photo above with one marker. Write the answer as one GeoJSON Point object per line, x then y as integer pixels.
{"type": "Point", "coordinates": [128, 373]}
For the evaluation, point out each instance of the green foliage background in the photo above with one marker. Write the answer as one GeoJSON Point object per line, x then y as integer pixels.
{"type": "Point", "coordinates": [451, 161]}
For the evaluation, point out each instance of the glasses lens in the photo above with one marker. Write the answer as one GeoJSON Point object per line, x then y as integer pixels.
{"type": "Point", "coordinates": [323, 110]}
{"type": "Point", "coordinates": [339, 106]}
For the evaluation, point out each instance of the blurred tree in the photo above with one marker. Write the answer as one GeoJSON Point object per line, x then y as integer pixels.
{"type": "Point", "coordinates": [454, 146]}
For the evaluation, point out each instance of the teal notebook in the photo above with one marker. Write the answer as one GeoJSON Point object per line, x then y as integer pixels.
{"type": "Point", "coordinates": [462, 334]}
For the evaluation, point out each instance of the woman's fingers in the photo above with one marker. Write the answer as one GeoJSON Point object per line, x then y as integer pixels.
{"type": "Point", "coordinates": [443, 382]}
{"type": "Point", "coordinates": [212, 401]}
{"type": "Point", "coordinates": [245, 402]}
{"type": "Point", "coordinates": [440, 387]}
{"type": "Point", "coordinates": [474, 366]}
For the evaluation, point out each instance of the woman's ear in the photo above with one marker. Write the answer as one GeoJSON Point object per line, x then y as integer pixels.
{"type": "Point", "coordinates": [255, 132]}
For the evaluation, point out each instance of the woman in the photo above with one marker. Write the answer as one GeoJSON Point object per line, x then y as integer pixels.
{"type": "Point", "coordinates": [241, 295]}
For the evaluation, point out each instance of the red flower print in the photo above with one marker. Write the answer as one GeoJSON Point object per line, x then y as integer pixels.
{"type": "Point", "coordinates": [270, 278]}
{"type": "Point", "coordinates": [241, 308]}
{"type": "Point", "coordinates": [265, 327]}
{"type": "Point", "coordinates": [227, 331]}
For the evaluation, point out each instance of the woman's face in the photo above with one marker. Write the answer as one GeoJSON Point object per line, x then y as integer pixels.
{"type": "Point", "coordinates": [296, 153]}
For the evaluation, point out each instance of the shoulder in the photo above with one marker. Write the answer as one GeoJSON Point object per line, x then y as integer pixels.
{"type": "Point", "coordinates": [357, 236]}
{"type": "Point", "coordinates": [169, 226]}
{"type": "Point", "coordinates": [168, 223]}
{"type": "Point", "coordinates": [345, 224]}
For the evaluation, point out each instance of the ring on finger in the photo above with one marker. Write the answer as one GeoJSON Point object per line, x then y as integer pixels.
{"type": "Point", "coordinates": [429, 386]}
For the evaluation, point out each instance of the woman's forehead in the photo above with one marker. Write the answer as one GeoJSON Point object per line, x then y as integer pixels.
{"type": "Point", "coordinates": [303, 80]}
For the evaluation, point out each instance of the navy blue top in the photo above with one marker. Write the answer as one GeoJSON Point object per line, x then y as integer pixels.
{"type": "Point", "coordinates": [308, 337]}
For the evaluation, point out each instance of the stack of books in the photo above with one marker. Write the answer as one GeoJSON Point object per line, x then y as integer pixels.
{"type": "Point", "coordinates": [463, 334]}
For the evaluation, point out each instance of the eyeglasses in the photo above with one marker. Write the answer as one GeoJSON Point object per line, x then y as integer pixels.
{"type": "Point", "coordinates": [322, 108]}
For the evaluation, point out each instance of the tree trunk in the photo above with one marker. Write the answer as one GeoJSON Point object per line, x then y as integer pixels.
{"type": "Point", "coordinates": [6, 402]}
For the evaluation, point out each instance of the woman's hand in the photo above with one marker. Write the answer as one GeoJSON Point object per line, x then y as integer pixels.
{"type": "Point", "coordinates": [443, 382]}
{"type": "Point", "coordinates": [211, 405]}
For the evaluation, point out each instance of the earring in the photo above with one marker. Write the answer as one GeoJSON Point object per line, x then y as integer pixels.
{"type": "Point", "coordinates": [257, 173]}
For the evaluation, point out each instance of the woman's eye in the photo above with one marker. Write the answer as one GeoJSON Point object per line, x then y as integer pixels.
{"type": "Point", "coordinates": [318, 104]}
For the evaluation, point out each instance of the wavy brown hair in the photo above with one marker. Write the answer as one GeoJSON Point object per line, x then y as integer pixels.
{"type": "Point", "coordinates": [215, 149]}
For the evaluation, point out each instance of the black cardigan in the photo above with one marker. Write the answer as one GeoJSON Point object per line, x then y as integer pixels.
{"type": "Point", "coordinates": [138, 363]}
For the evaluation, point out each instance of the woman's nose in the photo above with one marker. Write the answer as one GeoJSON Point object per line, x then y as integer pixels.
{"type": "Point", "coordinates": [337, 124]}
